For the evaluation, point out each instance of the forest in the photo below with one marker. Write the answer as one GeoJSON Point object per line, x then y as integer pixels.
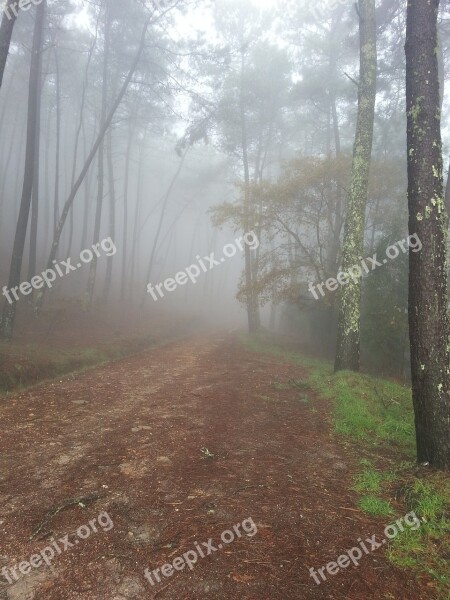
{"type": "Point", "coordinates": [224, 310]}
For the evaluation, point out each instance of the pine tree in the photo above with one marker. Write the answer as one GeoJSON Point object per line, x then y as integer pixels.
{"type": "Point", "coordinates": [428, 319]}
{"type": "Point", "coordinates": [349, 326]}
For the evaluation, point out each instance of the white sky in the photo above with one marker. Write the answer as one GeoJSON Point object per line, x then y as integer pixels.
{"type": "Point", "coordinates": [199, 19]}
{"type": "Point", "coordinates": [264, 4]}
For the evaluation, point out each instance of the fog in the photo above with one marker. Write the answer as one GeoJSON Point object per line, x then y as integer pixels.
{"type": "Point", "coordinates": [174, 128]}
{"type": "Point", "coordinates": [224, 299]}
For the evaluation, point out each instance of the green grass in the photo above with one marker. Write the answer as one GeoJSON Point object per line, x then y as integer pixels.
{"type": "Point", "coordinates": [367, 481]}
{"type": "Point", "coordinates": [372, 505]}
{"type": "Point", "coordinates": [376, 415]}
{"type": "Point", "coordinates": [374, 410]}
{"type": "Point", "coordinates": [369, 409]}
{"type": "Point", "coordinates": [426, 548]}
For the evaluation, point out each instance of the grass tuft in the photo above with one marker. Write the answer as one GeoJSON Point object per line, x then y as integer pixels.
{"type": "Point", "coordinates": [377, 507]}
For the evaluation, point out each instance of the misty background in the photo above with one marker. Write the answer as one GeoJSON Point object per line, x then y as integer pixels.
{"type": "Point", "coordinates": [223, 91]}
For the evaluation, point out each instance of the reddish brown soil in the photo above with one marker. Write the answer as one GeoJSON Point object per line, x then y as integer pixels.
{"type": "Point", "coordinates": [133, 431]}
{"type": "Point", "coordinates": [65, 338]}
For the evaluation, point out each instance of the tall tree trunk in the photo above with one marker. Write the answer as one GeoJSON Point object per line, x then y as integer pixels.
{"type": "Point", "coordinates": [161, 218]}
{"type": "Point", "coordinates": [428, 320]}
{"type": "Point", "coordinates": [103, 129]}
{"type": "Point", "coordinates": [47, 196]}
{"type": "Point", "coordinates": [101, 158]}
{"type": "Point", "coordinates": [6, 101]}
{"type": "Point", "coordinates": [82, 106]}
{"type": "Point", "coordinates": [125, 213]}
{"type": "Point", "coordinates": [338, 213]}
{"type": "Point", "coordinates": [6, 30]}
{"type": "Point", "coordinates": [137, 211]}
{"type": "Point", "coordinates": [349, 325]}
{"type": "Point", "coordinates": [112, 216]}
{"type": "Point", "coordinates": [58, 143]}
{"type": "Point", "coordinates": [12, 140]}
{"type": "Point", "coordinates": [250, 301]}
{"type": "Point", "coordinates": [87, 195]}
{"type": "Point", "coordinates": [79, 130]}
{"type": "Point", "coordinates": [36, 177]}
{"type": "Point", "coordinates": [9, 311]}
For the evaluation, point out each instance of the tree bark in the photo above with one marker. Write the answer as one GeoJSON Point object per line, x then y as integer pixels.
{"type": "Point", "coordinates": [9, 311]}
{"type": "Point", "coordinates": [6, 30]}
{"type": "Point", "coordinates": [348, 340]}
{"type": "Point", "coordinates": [428, 319]}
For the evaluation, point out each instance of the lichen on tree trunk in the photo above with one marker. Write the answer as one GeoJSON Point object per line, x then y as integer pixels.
{"type": "Point", "coordinates": [428, 318]}
{"type": "Point", "coordinates": [348, 340]}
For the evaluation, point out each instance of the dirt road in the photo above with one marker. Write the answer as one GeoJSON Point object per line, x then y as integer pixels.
{"type": "Point", "coordinates": [177, 445]}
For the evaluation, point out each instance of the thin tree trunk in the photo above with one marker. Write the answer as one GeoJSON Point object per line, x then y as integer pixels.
{"type": "Point", "coordinates": [161, 217]}
{"type": "Point", "coordinates": [101, 159]}
{"type": "Point", "coordinates": [86, 204]}
{"type": "Point", "coordinates": [112, 216]}
{"type": "Point", "coordinates": [252, 319]}
{"type": "Point", "coordinates": [58, 143]}
{"type": "Point", "coordinates": [103, 129]}
{"type": "Point", "coordinates": [36, 177]}
{"type": "Point", "coordinates": [428, 319]}
{"type": "Point", "coordinates": [136, 220]}
{"type": "Point", "coordinates": [12, 139]}
{"type": "Point", "coordinates": [349, 323]}
{"type": "Point", "coordinates": [6, 30]}
{"type": "Point", "coordinates": [9, 311]}
{"type": "Point", "coordinates": [125, 214]}
{"type": "Point", "coordinates": [82, 105]}
{"type": "Point", "coordinates": [6, 101]}
{"type": "Point", "coordinates": [78, 133]}
{"type": "Point", "coordinates": [47, 195]}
